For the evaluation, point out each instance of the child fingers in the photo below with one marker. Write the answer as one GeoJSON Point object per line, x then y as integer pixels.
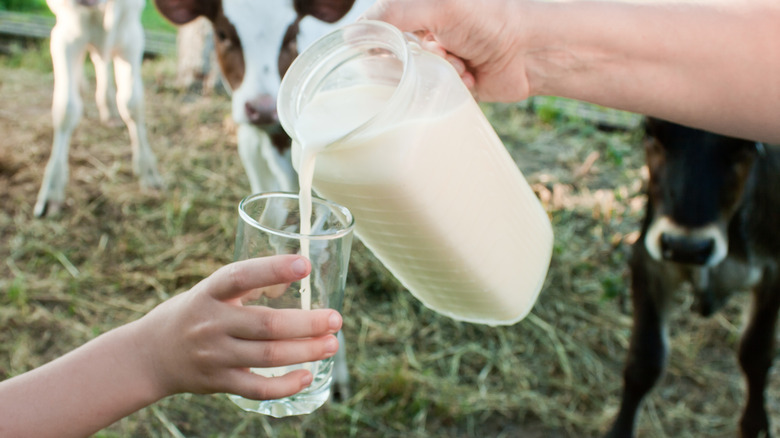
{"type": "Point", "coordinates": [268, 354]}
{"type": "Point", "coordinates": [233, 280]}
{"type": "Point", "coordinates": [263, 323]}
{"type": "Point", "coordinates": [252, 386]}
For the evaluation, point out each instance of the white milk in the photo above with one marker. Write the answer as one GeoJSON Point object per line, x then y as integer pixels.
{"type": "Point", "coordinates": [317, 133]}
{"type": "Point", "coordinates": [450, 216]}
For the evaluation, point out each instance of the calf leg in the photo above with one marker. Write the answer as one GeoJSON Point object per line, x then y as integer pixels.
{"type": "Point", "coordinates": [648, 349]}
{"type": "Point", "coordinates": [67, 107]}
{"type": "Point", "coordinates": [756, 351]}
{"type": "Point", "coordinates": [281, 168]}
{"type": "Point", "coordinates": [250, 141]}
{"type": "Point", "coordinates": [266, 168]}
{"type": "Point", "coordinates": [341, 387]}
{"type": "Point", "coordinates": [130, 102]}
{"type": "Point", "coordinates": [105, 92]}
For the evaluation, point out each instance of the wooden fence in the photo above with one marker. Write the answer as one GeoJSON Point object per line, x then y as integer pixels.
{"type": "Point", "coordinates": [21, 25]}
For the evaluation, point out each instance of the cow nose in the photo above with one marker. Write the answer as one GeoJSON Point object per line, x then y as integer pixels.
{"type": "Point", "coordinates": [686, 249]}
{"type": "Point", "coordinates": [261, 111]}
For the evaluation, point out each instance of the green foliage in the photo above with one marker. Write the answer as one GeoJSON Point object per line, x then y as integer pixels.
{"type": "Point", "coordinates": [17, 293]}
{"type": "Point", "coordinates": [152, 20]}
{"type": "Point", "coordinates": [614, 287]}
{"type": "Point", "coordinates": [23, 5]}
{"type": "Point", "coordinates": [30, 55]}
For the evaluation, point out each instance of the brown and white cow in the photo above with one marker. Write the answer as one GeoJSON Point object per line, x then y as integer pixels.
{"type": "Point", "coordinates": [256, 41]}
{"type": "Point", "coordinates": [711, 221]}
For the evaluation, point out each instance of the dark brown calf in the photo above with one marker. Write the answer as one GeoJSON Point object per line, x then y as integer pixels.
{"type": "Point", "coordinates": [713, 221]}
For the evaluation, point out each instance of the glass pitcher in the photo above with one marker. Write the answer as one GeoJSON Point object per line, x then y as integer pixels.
{"type": "Point", "coordinates": [436, 197]}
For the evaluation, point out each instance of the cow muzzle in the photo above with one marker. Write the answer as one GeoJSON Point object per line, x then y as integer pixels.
{"type": "Point", "coordinates": [701, 246]}
{"type": "Point", "coordinates": [261, 111]}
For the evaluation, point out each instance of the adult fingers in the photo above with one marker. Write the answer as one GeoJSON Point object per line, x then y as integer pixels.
{"type": "Point", "coordinates": [263, 323]}
{"type": "Point", "coordinates": [233, 280]}
{"type": "Point", "coordinates": [404, 15]}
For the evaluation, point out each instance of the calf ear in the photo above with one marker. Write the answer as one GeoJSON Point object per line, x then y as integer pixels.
{"type": "Point", "coordinates": [184, 11]}
{"type": "Point", "coordinates": [329, 11]}
{"type": "Point", "coordinates": [658, 129]}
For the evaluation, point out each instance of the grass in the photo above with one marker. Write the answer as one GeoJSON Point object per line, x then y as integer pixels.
{"type": "Point", "coordinates": [117, 251]}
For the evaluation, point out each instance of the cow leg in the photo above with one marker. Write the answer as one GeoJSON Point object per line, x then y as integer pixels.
{"type": "Point", "coordinates": [105, 93]}
{"type": "Point", "coordinates": [130, 103]}
{"type": "Point", "coordinates": [266, 168]}
{"type": "Point", "coordinates": [250, 141]}
{"type": "Point", "coordinates": [647, 352]}
{"type": "Point", "coordinates": [341, 387]}
{"type": "Point", "coordinates": [756, 351]}
{"type": "Point", "coordinates": [281, 168]}
{"type": "Point", "coordinates": [66, 109]}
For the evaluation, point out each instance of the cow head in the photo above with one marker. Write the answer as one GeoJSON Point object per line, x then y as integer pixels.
{"type": "Point", "coordinates": [255, 41]}
{"type": "Point", "coordinates": [697, 180]}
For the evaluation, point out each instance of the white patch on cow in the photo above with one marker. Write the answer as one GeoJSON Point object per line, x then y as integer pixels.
{"type": "Point", "coordinates": [261, 26]}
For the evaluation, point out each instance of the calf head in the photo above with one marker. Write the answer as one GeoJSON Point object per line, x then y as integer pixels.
{"type": "Point", "coordinates": [256, 41]}
{"type": "Point", "coordinates": [697, 180]}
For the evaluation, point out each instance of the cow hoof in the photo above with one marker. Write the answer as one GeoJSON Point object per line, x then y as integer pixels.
{"type": "Point", "coordinates": [112, 122]}
{"type": "Point", "coordinates": [340, 392]}
{"type": "Point", "coordinates": [47, 208]}
{"type": "Point", "coordinates": [151, 180]}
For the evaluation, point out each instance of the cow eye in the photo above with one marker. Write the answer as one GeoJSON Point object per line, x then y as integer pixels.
{"type": "Point", "coordinates": [221, 35]}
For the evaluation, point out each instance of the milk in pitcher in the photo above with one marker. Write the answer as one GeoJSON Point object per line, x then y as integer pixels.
{"type": "Point", "coordinates": [448, 214]}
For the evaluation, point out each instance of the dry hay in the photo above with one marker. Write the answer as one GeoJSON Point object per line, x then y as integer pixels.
{"type": "Point", "coordinates": [117, 251]}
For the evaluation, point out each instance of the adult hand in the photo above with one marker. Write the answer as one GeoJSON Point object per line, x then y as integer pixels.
{"type": "Point", "coordinates": [473, 36]}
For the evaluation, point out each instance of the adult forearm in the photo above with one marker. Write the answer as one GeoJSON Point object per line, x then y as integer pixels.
{"type": "Point", "coordinates": [79, 393]}
{"type": "Point", "coordinates": [713, 64]}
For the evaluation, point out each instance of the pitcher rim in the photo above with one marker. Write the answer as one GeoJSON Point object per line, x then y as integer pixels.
{"type": "Point", "coordinates": [404, 55]}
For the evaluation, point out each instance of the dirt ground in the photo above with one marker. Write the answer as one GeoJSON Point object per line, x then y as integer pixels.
{"type": "Point", "coordinates": [117, 250]}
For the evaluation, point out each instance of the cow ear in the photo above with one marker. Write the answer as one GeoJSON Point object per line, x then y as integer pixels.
{"type": "Point", "coordinates": [657, 128]}
{"type": "Point", "coordinates": [183, 11]}
{"type": "Point", "coordinates": [328, 11]}
{"type": "Point", "coordinates": [651, 126]}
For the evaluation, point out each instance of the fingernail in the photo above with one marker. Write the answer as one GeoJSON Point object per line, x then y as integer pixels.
{"type": "Point", "coordinates": [331, 346]}
{"type": "Point", "coordinates": [334, 322]}
{"type": "Point", "coordinates": [307, 379]}
{"type": "Point", "coordinates": [298, 267]}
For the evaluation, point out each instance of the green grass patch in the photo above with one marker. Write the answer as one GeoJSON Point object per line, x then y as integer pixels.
{"type": "Point", "coordinates": [37, 6]}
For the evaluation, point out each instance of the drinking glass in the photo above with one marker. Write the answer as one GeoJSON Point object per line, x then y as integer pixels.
{"type": "Point", "coordinates": [268, 224]}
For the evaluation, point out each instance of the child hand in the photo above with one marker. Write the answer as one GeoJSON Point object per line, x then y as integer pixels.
{"type": "Point", "coordinates": [205, 340]}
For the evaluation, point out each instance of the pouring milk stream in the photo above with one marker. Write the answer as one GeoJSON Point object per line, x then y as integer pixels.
{"type": "Point", "coordinates": [317, 129]}
{"type": "Point", "coordinates": [390, 131]}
